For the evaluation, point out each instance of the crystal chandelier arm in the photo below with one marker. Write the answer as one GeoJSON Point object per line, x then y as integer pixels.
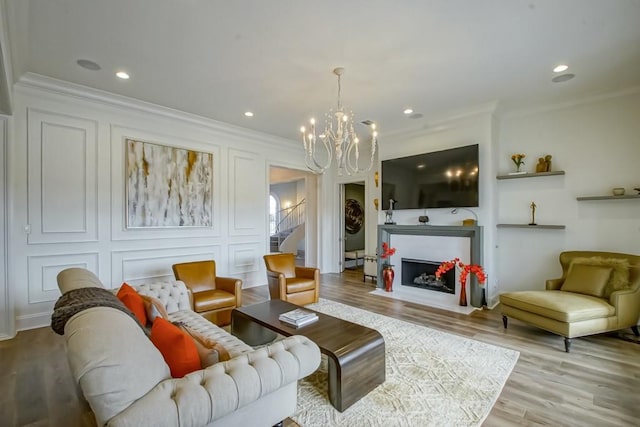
{"type": "Point", "coordinates": [353, 152]}
{"type": "Point", "coordinates": [309, 142]}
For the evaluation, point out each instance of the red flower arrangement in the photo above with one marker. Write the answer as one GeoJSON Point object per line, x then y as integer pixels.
{"type": "Point", "coordinates": [387, 251]}
{"type": "Point", "coordinates": [464, 273]}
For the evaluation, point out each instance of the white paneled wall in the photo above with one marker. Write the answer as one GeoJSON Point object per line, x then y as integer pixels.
{"type": "Point", "coordinates": [68, 199]}
{"type": "Point", "coordinates": [62, 176]}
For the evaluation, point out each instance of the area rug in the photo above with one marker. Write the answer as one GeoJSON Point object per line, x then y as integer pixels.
{"type": "Point", "coordinates": [432, 378]}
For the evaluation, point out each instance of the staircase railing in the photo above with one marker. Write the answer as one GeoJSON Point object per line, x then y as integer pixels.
{"type": "Point", "coordinates": [291, 217]}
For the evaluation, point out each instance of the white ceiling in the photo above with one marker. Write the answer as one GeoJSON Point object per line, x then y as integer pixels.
{"type": "Point", "coordinates": [220, 58]}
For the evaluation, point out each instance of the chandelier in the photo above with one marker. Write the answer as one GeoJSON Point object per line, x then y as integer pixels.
{"type": "Point", "coordinates": [338, 140]}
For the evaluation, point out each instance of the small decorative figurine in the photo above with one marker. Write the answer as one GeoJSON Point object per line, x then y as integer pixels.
{"type": "Point", "coordinates": [389, 214]}
{"type": "Point", "coordinates": [533, 214]}
{"type": "Point", "coordinates": [541, 166]}
{"type": "Point", "coordinates": [547, 162]}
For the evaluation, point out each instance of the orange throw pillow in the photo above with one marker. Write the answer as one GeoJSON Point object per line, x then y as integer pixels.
{"type": "Point", "coordinates": [177, 348]}
{"type": "Point", "coordinates": [134, 302]}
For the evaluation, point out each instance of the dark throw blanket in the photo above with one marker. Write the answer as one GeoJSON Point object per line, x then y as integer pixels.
{"type": "Point", "coordinates": [80, 299]}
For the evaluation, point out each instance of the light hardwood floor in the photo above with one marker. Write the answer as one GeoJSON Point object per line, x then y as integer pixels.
{"type": "Point", "coordinates": [597, 384]}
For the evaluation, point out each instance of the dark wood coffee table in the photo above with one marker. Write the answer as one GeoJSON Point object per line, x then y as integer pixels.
{"type": "Point", "coordinates": [355, 353]}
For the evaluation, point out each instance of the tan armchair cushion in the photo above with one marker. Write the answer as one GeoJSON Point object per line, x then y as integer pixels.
{"type": "Point", "coordinates": [559, 305]}
{"type": "Point", "coordinates": [587, 279]}
{"type": "Point", "coordinates": [619, 277]}
{"type": "Point", "coordinates": [213, 300]}
{"type": "Point", "coordinates": [295, 285]}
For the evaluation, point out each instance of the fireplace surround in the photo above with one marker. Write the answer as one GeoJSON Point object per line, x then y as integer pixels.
{"type": "Point", "coordinates": [473, 233]}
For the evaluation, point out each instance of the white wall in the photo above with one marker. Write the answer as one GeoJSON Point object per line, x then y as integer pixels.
{"type": "Point", "coordinates": [6, 303]}
{"type": "Point", "coordinates": [475, 128]}
{"type": "Point", "coordinates": [597, 143]}
{"type": "Point", "coordinates": [68, 201]}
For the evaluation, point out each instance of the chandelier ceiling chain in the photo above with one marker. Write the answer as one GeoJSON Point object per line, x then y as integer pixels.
{"type": "Point", "coordinates": [341, 142]}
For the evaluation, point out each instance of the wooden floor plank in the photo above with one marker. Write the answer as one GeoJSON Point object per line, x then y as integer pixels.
{"type": "Point", "coordinates": [597, 384]}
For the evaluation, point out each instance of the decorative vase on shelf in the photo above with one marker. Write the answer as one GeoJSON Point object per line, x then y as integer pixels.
{"type": "Point", "coordinates": [387, 277]}
{"type": "Point", "coordinates": [518, 161]}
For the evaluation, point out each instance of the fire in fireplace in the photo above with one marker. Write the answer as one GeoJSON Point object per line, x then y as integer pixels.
{"type": "Point", "coordinates": [421, 274]}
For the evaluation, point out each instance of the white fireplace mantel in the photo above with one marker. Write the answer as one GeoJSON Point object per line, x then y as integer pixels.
{"type": "Point", "coordinates": [474, 233]}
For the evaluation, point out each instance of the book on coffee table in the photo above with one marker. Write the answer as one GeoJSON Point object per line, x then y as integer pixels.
{"type": "Point", "coordinates": [298, 317]}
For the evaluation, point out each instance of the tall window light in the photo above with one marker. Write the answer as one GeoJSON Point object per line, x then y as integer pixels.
{"type": "Point", "coordinates": [273, 213]}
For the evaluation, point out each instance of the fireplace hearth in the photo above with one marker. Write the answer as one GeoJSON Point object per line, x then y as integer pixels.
{"type": "Point", "coordinates": [420, 273]}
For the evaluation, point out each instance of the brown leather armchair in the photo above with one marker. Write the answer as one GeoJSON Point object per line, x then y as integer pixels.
{"type": "Point", "coordinates": [212, 297]}
{"type": "Point", "coordinates": [298, 285]}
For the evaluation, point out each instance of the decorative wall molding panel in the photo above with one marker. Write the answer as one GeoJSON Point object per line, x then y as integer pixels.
{"type": "Point", "coordinates": [62, 178]}
{"type": "Point", "coordinates": [43, 270]}
{"type": "Point", "coordinates": [154, 265]}
{"type": "Point", "coordinates": [245, 258]}
{"type": "Point", "coordinates": [247, 200]}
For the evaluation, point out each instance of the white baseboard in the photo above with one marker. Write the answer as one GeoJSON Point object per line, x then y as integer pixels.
{"type": "Point", "coordinates": [4, 337]}
{"type": "Point", "coordinates": [33, 321]}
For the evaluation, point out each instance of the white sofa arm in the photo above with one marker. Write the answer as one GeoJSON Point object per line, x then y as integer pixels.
{"type": "Point", "coordinates": [174, 294]}
{"type": "Point", "coordinates": [209, 394]}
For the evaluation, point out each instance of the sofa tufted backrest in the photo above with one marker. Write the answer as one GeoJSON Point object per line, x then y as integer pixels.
{"type": "Point", "coordinates": [174, 294]}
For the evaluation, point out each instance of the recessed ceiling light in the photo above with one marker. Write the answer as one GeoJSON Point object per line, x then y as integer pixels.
{"type": "Point", "coordinates": [89, 65]}
{"type": "Point", "coordinates": [562, 78]}
{"type": "Point", "coordinates": [421, 166]}
{"type": "Point", "coordinates": [122, 75]}
{"type": "Point", "coordinates": [408, 111]}
{"type": "Point", "coordinates": [560, 68]}
{"type": "Point", "coordinates": [248, 113]}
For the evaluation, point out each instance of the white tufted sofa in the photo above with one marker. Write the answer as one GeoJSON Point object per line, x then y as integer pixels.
{"type": "Point", "coordinates": [127, 382]}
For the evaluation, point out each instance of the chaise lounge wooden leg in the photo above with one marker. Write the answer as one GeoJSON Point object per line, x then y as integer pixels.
{"type": "Point", "coordinates": [567, 344]}
{"type": "Point", "coordinates": [504, 321]}
{"type": "Point", "coordinates": [635, 330]}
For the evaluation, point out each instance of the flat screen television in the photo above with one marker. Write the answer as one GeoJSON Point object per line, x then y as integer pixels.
{"type": "Point", "coordinates": [440, 179]}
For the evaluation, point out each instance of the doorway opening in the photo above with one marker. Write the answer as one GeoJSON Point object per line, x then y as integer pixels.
{"type": "Point", "coordinates": [352, 226]}
{"type": "Point", "coordinates": [292, 215]}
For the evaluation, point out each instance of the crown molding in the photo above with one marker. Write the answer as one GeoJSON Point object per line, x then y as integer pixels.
{"type": "Point", "coordinates": [588, 99]}
{"type": "Point", "coordinates": [445, 121]}
{"type": "Point", "coordinates": [61, 87]}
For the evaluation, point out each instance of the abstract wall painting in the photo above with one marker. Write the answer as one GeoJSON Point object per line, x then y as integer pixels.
{"type": "Point", "coordinates": [168, 186]}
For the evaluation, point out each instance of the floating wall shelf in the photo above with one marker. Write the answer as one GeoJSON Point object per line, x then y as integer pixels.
{"type": "Point", "coordinates": [545, 226]}
{"type": "Point", "coordinates": [530, 175]}
{"type": "Point", "coordinates": [627, 197]}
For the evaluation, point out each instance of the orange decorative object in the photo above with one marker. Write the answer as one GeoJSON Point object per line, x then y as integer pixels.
{"type": "Point", "coordinates": [177, 348]}
{"type": "Point", "coordinates": [387, 277]}
{"type": "Point", "coordinates": [464, 273]}
{"type": "Point", "coordinates": [134, 302]}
